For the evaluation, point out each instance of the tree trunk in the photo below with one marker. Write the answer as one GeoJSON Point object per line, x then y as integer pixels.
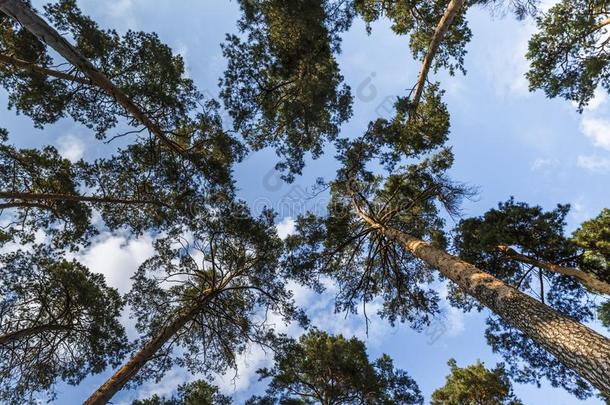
{"type": "Point", "coordinates": [590, 280]}
{"type": "Point", "coordinates": [20, 11]}
{"type": "Point", "coordinates": [118, 380]}
{"type": "Point", "coordinates": [27, 332]}
{"type": "Point", "coordinates": [573, 344]}
{"type": "Point", "coordinates": [441, 29]}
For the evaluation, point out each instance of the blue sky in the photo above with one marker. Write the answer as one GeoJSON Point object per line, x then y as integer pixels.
{"type": "Point", "coordinates": [506, 140]}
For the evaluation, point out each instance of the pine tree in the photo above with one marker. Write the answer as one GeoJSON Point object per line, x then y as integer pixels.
{"type": "Point", "coordinates": [527, 248]}
{"type": "Point", "coordinates": [282, 85]}
{"type": "Point", "coordinates": [382, 236]}
{"type": "Point", "coordinates": [325, 369]}
{"type": "Point", "coordinates": [198, 392]}
{"type": "Point", "coordinates": [202, 296]}
{"type": "Point", "coordinates": [475, 385]}
{"type": "Point", "coordinates": [569, 53]}
{"type": "Point", "coordinates": [58, 322]}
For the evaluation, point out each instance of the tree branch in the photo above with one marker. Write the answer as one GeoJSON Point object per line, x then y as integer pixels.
{"type": "Point", "coordinates": [21, 12]}
{"type": "Point", "coordinates": [588, 279]}
{"type": "Point", "coordinates": [34, 68]}
{"type": "Point", "coordinates": [70, 197]}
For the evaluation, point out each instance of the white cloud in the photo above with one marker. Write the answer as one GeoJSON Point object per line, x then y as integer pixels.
{"type": "Point", "coordinates": [593, 163]}
{"type": "Point", "coordinates": [120, 9]}
{"type": "Point", "coordinates": [286, 227]}
{"type": "Point", "coordinates": [117, 258]}
{"type": "Point", "coordinates": [540, 164]}
{"type": "Point", "coordinates": [598, 130]}
{"type": "Point", "coordinates": [71, 147]}
{"type": "Point", "coordinates": [245, 375]}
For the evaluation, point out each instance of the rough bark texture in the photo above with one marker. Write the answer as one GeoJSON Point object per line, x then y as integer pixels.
{"type": "Point", "coordinates": [575, 345]}
{"type": "Point", "coordinates": [118, 380]}
{"type": "Point", "coordinates": [588, 279]}
{"type": "Point", "coordinates": [20, 11]}
{"type": "Point", "coordinates": [443, 25]}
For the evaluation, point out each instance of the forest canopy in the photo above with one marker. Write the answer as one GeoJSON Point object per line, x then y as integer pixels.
{"type": "Point", "coordinates": [146, 258]}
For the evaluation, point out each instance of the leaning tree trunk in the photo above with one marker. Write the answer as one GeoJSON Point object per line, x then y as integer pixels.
{"type": "Point", "coordinates": [573, 344]}
{"type": "Point", "coordinates": [440, 31]}
{"type": "Point", "coordinates": [23, 13]}
{"type": "Point", "coordinates": [122, 376]}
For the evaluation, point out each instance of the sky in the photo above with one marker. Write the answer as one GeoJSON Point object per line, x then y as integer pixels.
{"type": "Point", "coordinates": [507, 142]}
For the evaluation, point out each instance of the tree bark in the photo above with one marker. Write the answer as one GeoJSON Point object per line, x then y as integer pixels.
{"type": "Point", "coordinates": [588, 279]}
{"type": "Point", "coordinates": [440, 31]}
{"type": "Point", "coordinates": [20, 11]}
{"type": "Point", "coordinates": [118, 380]}
{"type": "Point", "coordinates": [573, 344]}
{"type": "Point", "coordinates": [27, 332]}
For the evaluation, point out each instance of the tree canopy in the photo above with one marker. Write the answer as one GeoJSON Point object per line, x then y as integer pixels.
{"type": "Point", "coordinates": [475, 385]}
{"type": "Point", "coordinates": [323, 369]}
{"type": "Point", "coordinates": [198, 392]}
{"type": "Point", "coordinates": [60, 322]}
{"type": "Point", "coordinates": [220, 278]}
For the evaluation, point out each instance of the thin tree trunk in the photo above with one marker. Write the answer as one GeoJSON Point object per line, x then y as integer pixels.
{"type": "Point", "coordinates": [20, 11]}
{"type": "Point", "coordinates": [34, 68]}
{"type": "Point", "coordinates": [573, 344]}
{"type": "Point", "coordinates": [25, 333]}
{"type": "Point", "coordinates": [588, 279]}
{"type": "Point", "coordinates": [68, 197]}
{"type": "Point", "coordinates": [440, 31]}
{"type": "Point", "coordinates": [118, 380]}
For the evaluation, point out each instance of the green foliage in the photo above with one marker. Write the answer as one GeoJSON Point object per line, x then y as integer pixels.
{"type": "Point", "coordinates": [141, 188]}
{"type": "Point", "coordinates": [230, 264]}
{"type": "Point", "coordinates": [282, 85]}
{"type": "Point", "coordinates": [325, 369]}
{"type": "Point", "coordinates": [59, 322]}
{"type": "Point", "coordinates": [198, 392]}
{"type": "Point", "coordinates": [419, 20]}
{"type": "Point", "coordinates": [475, 385]}
{"type": "Point", "coordinates": [41, 171]}
{"type": "Point", "coordinates": [593, 237]}
{"type": "Point", "coordinates": [366, 263]}
{"type": "Point", "coordinates": [540, 235]}
{"type": "Point", "coordinates": [138, 63]}
{"type": "Point", "coordinates": [569, 55]}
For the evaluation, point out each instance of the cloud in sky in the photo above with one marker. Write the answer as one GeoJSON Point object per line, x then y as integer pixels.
{"type": "Point", "coordinates": [594, 163]}
{"type": "Point", "coordinates": [544, 164]}
{"type": "Point", "coordinates": [71, 147]}
{"type": "Point", "coordinates": [117, 258]}
{"type": "Point", "coordinates": [286, 227]}
{"type": "Point", "coordinates": [598, 130]}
